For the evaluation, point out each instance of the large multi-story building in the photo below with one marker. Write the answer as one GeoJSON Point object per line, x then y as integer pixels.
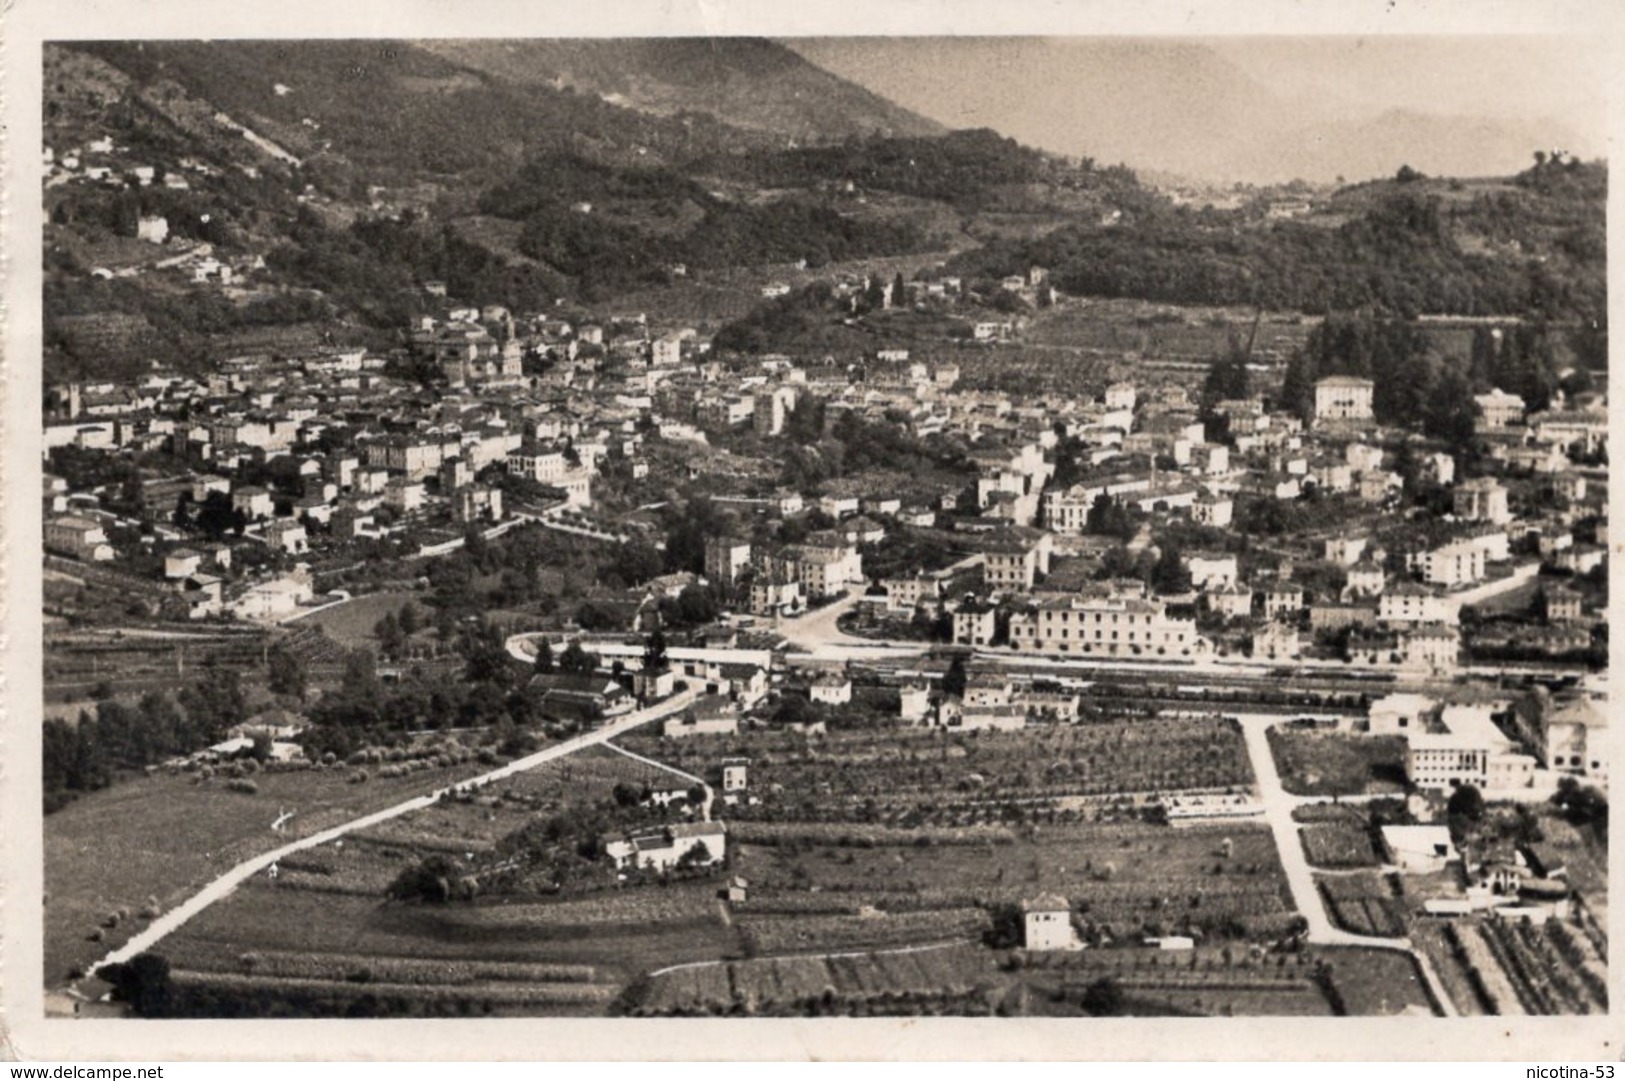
{"type": "Point", "coordinates": [1014, 562]}
{"type": "Point", "coordinates": [1482, 499]}
{"type": "Point", "coordinates": [1343, 397]}
{"type": "Point", "coordinates": [1113, 626]}
{"type": "Point", "coordinates": [81, 538]}
{"type": "Point", "coordinates": [725, 558]}
{"type": "Point", "coordinates": [1458, 563]}
{"type": "Point", "coordinates": [974, 625]}
{"type": "Point", "coordinates": [1410, 602]}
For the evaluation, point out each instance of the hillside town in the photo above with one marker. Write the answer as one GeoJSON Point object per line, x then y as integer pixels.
{"type": "Point", "coordinates": [868, 607]}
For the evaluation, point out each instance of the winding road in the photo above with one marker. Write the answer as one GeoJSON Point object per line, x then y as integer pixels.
{"type": "Point", "coordinates": [221, 887]}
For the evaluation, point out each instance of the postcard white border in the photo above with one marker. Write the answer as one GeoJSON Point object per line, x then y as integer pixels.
{"type": "Point", "coordinates": [22, 1026]}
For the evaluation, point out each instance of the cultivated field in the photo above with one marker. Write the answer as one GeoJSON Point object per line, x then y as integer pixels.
{"type": "Point", "coordinates": [918, 777]}
{"type": "Point", "coordinates": [1364, 903]}
{"type": "Point", "coordinates": [1332, 764]}
{"type": "Point", "coordinates": [1126, 879]}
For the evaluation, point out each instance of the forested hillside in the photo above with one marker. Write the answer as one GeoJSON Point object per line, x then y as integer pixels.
{"type": "Point", "coordinates": [1535, 245]}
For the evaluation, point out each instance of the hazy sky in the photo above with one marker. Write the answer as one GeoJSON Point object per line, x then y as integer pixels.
{"type": "Point", "coordinates": [1529, 77]}
{"type": "Point", "coordinates": [1249, 107]}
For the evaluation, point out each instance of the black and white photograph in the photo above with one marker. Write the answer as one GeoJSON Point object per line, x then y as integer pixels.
{"type": "Point", "coordinates": [815, 526]}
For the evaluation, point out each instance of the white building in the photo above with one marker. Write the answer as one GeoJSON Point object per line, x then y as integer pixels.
{"type": "Point", "coordinates": [1113, 626]}
{"type": "Point", "coordinates": [1343, 397]}
{"type": "Point", "coordinates": [700, 843]}
{"type": "Point", "coordinates": [1046, 923]}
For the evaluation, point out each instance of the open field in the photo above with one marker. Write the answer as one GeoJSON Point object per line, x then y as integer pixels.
{"type": "Point", "coordinates": [1375, 983]}
{"type": "Point", "coordinates": [351, 623]}
{"type": "Point", "coordinates": [164, 836]}
{"type": "Point", "coordinates": [551, 958]}
{"type": "Point", "coordinates": [1213, 981]}
{"type": "Point", "coordinates": [1330, 764]}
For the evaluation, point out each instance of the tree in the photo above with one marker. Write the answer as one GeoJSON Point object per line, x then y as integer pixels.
{"type": "Point", "coordinates": [654, 653]}
{"type": "Point", "coordinates": [410, 619]}
{"type": "Point", "coordinates": [213, 704]}
{"type": "Point", "coordinates": [1466, 803]}
{"type": "Point", "coordinates": [486, 655]}
{"type": "Point", "coordinates": [954, 680]}
{"type": "Point", "coordinates": [391, 642]}
{"type": "Point", "coordinates": [1227, 379]}
{"type": "Point", "coordinates": [544, 656]}
{"type": "Point", "coordinates": [1450, 413]}
{"type": "Point", "coordinates": [577, 660]}
{"type": "Point", "coordinates": [1104, 998]}
{"type": "Point", "coordinates": [142, 982]}
{"type": "Point", "coordinates": [429, 880]}
{"type": "Point", "coordinates": [285, 672]}
{"type": "Point", "coordinates": [1108, 517]}
{"type": "Point", "coordinates": [695, 606]}
{"type": "Point", "coordinates": [1581, 804]}
{"type": "Point", "coordinates": [1169, 574]}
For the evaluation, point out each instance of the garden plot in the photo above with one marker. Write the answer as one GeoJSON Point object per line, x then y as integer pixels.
{"type": "Point", "coordinates": [1333, 764]}
{"type": "Point", "coordinates": [1364, 904]}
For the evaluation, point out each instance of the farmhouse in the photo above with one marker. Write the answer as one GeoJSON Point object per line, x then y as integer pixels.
{"type": "Point", "coordinates": [697, 844]}
{"type": "Point", "coordinates": [831, 690]}
{"type": "Point", "coordinates": [1046, 923]}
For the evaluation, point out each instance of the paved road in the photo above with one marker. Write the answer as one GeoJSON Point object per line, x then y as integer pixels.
{"type": "Point", "coordinates": [1278, 805]}
{"type": "Point", "coordinates": [221, 887]}
{"type": "Point", "coordinates": [818, 628]}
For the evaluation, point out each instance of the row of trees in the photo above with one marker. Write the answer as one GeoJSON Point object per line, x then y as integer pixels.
{"type": "Point", "coordinates": [88, 753]}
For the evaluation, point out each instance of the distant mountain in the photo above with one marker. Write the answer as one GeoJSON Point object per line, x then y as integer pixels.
{"type": "Point", "coordinates": [747, 83]}
{"type": "Point", "coordinates": [336, 177]}
{"type": "Point", "coordinates": [1175, 107]}
{"type": "Point", "coordinates": [1379, 145]}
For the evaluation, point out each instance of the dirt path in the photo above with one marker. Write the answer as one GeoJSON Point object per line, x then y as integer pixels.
{"type": "Point", "coordinates": [705, 807]}
{"type": "Point", "coordinates": [821, 956]}
{"type": "Point", "coordinates": [221, 887]}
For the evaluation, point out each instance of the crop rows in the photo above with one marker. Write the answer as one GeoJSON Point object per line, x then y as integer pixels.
{"type": "Point", "coordinates": [1543, 982]}
{"type": "Point", "coordinates": [359, 968]}
{"type": "Point", "coordinates": [1337, 846]}
{"type": "Point", "coordinates": [770, 935]}
{"type": "Point", "coordinates": [1363, 905]}
{"type": "Point", "coordinates": [920, 777]}
{"type": "Point", "coordinates": [778, 984]}
{"type": "Point", "coordinates": [202, 994]}
{"type": "Point", "coordinates": [617, 906]}
{"type": "Point", "coordinates": [1376, 916]}
{"type": "Point", "coordinates": [1485, 970]}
